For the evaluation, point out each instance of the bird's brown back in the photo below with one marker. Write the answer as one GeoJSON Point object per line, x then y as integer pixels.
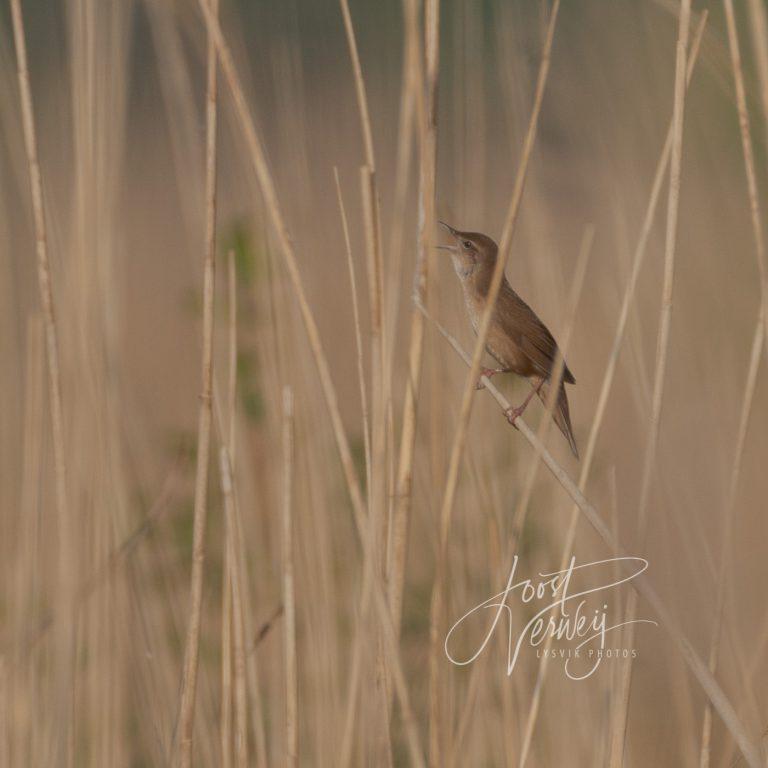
{"type": "Point", "coordinates": [519, 340]}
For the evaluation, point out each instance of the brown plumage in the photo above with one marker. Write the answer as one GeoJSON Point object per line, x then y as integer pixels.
{"type": "Point", "coordinates": [517, 339]}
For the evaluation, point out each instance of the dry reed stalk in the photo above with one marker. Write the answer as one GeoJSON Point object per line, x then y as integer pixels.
{"type": "Point", "coordinates": [226, 664]}
{"type": "Point", "coordinates": [241, 675]}
{"type": "Point", "coordinates": [362, 100]}
{"type": "Point", "coordinates": [640, 584]}
{"type": "Point", "coordinates": [358, 330]}
{"type": "Point", "coordinates": [610, 370]}
{"type": "Point", "coordinates": [66, 648]}
{"type": "Point", "coordinates": [749, 389]}
{"type": "Point", "coordinates": [234, 630]}
{"type": "Point", "coordinates": [232, 357]}
{"type": "Point", "coordinates": [377, 490]}
{"type": "Point", "coordinates": [662, 347]}
{"type": "Point", "coordinates": [180, 102]}
{"type": "Point", "coordinates": [184, 732]}
{"type": "Point", "coordinates": [357, 648]}
{"type": "Point", "coordinates": [759, 27]}
{"type": "Point", "coordinates": [226, 599]}
{"type": "Point", "coordinates": [427, 117]}
{"type": "Point", "coordinates": [725, 544]}
{"type": "Point", "coordinates": [451, 482]}
{"type": "Point", "coordinates": [396, 226]}
{"type": "Point", "coordinates": [380, 377]}
{"type": "Point", "coordinates": [289, 599]}
{"type": "Point", "coordinates": [25, 674]}
{"type": "Point", "coordinates": [240, 671]}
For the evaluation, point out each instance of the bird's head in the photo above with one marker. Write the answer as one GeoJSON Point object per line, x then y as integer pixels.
{"type": "Point", "coordinates": [472, 252]}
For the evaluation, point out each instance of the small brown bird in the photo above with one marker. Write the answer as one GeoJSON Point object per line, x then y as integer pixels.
{"type": "Point", "coordinates": [517, 339]}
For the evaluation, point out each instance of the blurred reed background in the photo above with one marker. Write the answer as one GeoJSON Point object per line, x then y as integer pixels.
{"type": "Point", "coordinates": [95, 602]}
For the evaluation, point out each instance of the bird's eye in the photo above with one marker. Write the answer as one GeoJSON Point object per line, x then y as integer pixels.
{"type": "Point", "coordinates": [467, 244]}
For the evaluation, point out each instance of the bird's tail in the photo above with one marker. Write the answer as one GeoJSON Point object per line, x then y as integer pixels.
{"type": "Point", "coordinates": [561, 414]}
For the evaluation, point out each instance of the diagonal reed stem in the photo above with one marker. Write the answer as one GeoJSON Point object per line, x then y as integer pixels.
{"type": "Point", "coordinates": [641, 584]}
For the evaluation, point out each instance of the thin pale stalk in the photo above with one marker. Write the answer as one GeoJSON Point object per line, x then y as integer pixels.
{"type": "Point", "coordinates": [641, 584]}
{"type": "Point", "coordinates": [244, 671]}
{"type": "Point", "coordinates": [289, 597]}
{"type": "Point", "coordinates": [759, 27]}
{"type": "Point", "coordinates": [185, 725]}
{"type": "Point", "coordinates": [459, 438]}
{"type": "Point", "coordinates": [226, 600]}
{"type": "Point", "coordinates": [355, 665]}
{"type": "Point", "coordinates": [427, 117]}
{"type": "Point", "coordinates": [377, 489]}
{"type": "Point", "coordinates": [727, 535]}
{"type": "Point", "coordinates": [65, 662]}
{"type": "Point", "coordinates": [362, 100]}
{"type": "Point", "coordinates": [226, 663]}
{"type": "Point", "coordinates": [358, 330]}
{"type": "Point", "coordinates": [238, 623]}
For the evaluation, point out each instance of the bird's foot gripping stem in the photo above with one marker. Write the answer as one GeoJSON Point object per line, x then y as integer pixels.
{"type": "Point", "coordinates": [488, 373]}
{"type": "Point", "coordinates": [513, 414]}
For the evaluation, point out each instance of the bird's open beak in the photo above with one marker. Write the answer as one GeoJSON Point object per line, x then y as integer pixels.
{"type": "Point", "coordinates": [451, 248]}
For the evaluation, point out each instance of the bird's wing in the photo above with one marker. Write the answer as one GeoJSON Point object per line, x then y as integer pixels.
{"type": "Point", "coordinates": [535, 340]}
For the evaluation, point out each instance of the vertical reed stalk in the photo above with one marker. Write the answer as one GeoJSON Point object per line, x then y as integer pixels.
{"type": "Point", "coordinates": [185, 727]}
{"type": "Point", "coordinates": [66, 647]}
{"type": "Point", "coordinates": [238, 622]}
{"type": "Point", "coordinates": [377, 490]}
{"type": "Point", "coordinates": [347, 740]}
{"type": "Point", "coordinates": [226, 600]}
{"type": "Point", "coordinates": [289, 599]}
{"type": "Point", "coordinates": [427, 176]}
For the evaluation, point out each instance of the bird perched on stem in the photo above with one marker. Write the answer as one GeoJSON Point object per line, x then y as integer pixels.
{"type": "Point", "coordinates": [517, 339]}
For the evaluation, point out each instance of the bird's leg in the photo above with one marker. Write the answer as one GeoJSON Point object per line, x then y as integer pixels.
{"type": "Point", "coordinates": [512, 414]}
{"type": "Point", "coordinates": [488, 373]}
